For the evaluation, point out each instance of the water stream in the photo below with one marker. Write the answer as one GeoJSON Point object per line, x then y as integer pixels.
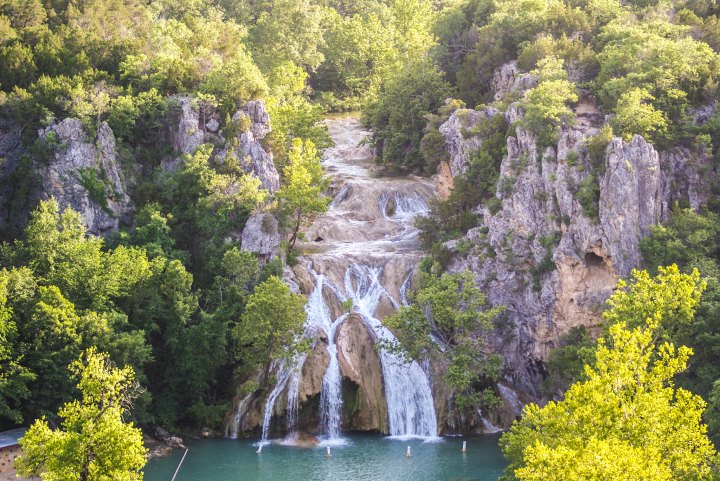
{"type": "Point", "coordinates": [364, 249]}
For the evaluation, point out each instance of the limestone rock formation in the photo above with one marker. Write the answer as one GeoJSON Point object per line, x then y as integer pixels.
{"type": "Point", "coordinates": [459, 145]}
{"type": "Point", "coordinates": [85, 175]}
{"type": "Point", "coordinates": [249, 150]}
{"type": "Point", "coordinates": [508, 79]}
{"type": "Point", "coordinates": [365, 408]}
{"type": "Point", "coordinates": [194, 130]}
{"type": "Point", "coordinates": [548, 259]}
{"type": "Point", "coordinates": [261, 236]}
{"type": "Point", "coordinates": [188, 135]}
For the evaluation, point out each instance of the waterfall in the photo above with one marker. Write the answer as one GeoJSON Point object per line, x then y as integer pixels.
{"type": "Point", "coordinates": [411, 411]}
{"type": "Point", "coordinates": [319, 318]}
{"type": "Point", "coordinates": [511, 397]}
{"type": "Point", "coordinates": [487, 425]}
{"type": "Point", "coordinates": [331, 395]}
{"type": "Point", "coordinates": [293, 392]}
{"type": "Point", "coordinates": [283, 374]}
{"type": "Point", "coordinates": [353, 244]}
{"type": "Point", "coordinates": [231, 430]}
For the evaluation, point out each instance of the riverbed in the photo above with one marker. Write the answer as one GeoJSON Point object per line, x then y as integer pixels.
{"type": "Point", "coordinates": [363, 458]}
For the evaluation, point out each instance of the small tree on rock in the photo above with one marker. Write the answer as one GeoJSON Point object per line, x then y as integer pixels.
{"type": "Point", "coordinates": [305, 182]}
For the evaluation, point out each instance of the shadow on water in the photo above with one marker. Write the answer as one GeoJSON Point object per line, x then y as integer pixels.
{"type": "Point", "coordinates": [364, 458]}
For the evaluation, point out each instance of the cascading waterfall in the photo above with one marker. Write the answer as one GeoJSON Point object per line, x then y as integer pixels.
{"type": "Point", "coordinates": [293, 392]}
{"type": "Point", "coordinates": [231, 430]}
{"type": "Point", "coordinates": [386, 245]}
{"type": "Point", "coordinates": [331, 395]}
{"type": "Point", "coordinates": [319, 318]}
{"type": "Point", "coordinates": [411, 410]}
{"type": "Point", "coordinates": [283, 375]}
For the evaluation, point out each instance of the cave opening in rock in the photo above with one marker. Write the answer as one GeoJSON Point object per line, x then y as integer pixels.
{"type": "Point", "coordinates": [594, 260]}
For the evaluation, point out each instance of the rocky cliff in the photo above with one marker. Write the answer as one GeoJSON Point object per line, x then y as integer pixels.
{"type": "Point", "coordinates": [83, 170]}
{"type": "Point", "coordinates": [547, 256]}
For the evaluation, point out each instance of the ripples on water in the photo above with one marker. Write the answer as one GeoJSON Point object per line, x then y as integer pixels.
{"type": "Point", "coordinates": [363, 458]}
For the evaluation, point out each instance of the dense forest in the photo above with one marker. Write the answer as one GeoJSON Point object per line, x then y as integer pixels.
{"type": "Point", "coordinates": [189, 317]}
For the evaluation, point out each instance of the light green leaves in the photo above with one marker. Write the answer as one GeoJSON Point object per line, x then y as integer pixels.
{"type": "Point", "coordinates": [93, 442]}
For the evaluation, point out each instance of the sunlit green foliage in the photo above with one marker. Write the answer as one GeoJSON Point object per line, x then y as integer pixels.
{"type": "Point", "coordinates": [546, 106]}
{"type": "Point", "coordinates": [272, 324]}
{"type": "Point", "coordinates": [398, 116]}
{"type": "Point", "coordinates": [632, 372]}
{"type": "Point", "coordinates": [451, 312]}
{"type": "Point", "coordinates": [305, 182]}
{"type": "Point", "coordinates": [93, 441]}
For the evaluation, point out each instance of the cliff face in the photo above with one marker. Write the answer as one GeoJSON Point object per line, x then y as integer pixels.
{"type": "Point", "coordinates": [541, 254]}
{"type": "Point", "coordinates": [85, 175]}
{"type": "Point", "coordinates": [84, 172]}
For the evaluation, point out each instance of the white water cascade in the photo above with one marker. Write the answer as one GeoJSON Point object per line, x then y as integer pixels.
{"type": "Point", "coordinates": [364, 249]}
{"type": "Point", "coordinates": [283, 375]}
{"type": "Point", "coordinates": [319, 318]}
{"type": "Point", "coordinates": [411, 411]}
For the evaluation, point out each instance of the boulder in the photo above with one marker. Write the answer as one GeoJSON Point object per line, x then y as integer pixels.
{"type": "Point", "coordinates": [260, 235]}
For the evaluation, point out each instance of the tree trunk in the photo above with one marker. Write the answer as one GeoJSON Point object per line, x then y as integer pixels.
{"type": "Point", "coordinates": [293, 239]}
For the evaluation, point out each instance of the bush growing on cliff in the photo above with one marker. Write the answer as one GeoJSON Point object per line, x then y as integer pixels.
{"type": "Point", "coordinates": [635, 115]}
{"type": "Point", "coordinates": [451, 309]}
{"type": "Point", "coordinates": [546, 106]}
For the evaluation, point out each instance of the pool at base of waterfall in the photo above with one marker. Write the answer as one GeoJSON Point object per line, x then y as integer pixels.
{"type": "Point", "coordinates": [362, 458]}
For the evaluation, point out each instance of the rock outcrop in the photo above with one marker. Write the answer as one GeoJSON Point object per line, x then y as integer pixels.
{"type": "Point", "coordinates": [84, 175]}
{"type": "Point", "coordinates": [547, 257]}
{"type": "Point", "coordinates": [364, 405]}
{"type": "Point", "coordinates": [458, 140]}
{"type": "Point", "coordinates": [254, 123]}
{"type": "Point", "coordinates": [509, 80]}
{"type": "Point", "coordinates": [188, 135]}
{"type": "Point", "coordinates": [261, 236]}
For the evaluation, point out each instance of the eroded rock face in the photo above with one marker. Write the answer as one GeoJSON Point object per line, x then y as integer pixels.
{"type": "Point", "coordinates": [629, 199]}
{"type": "Point", "coordinates": [459, 145]}
{"type": "Point", "coordinates": [543, 257]}
{"type": "Point", "coordinates": [250, 152]}
{"type": "Point", "coordinates": [260, 235]}
{"type": "Point", "coordinates": [313, 371]}
{"type": "Point", "coordinates": [365, 408]}
{"type": "Point", "coordinates": [77, 159]}
{"type": "Point", "coordinates": [508, 79]}
{"type": "Point", "coordinates": [196, 127]}
{"type": "Point", "coordinates": [187, 136]}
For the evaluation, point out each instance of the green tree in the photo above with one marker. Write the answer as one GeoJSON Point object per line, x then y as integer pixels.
{"type": "Point", "coordinates": [289, 30]}
{"type": "Point", "coordinates": [14, 377]}
{"type": "Point", "coordinates": [304, 184]}
{"type": "Point", "coordinates": [546, 106]}
{"type": "Point", "coordinates": [590, 434]}
{"type": "Point", "coordinates": [398, 116]}
{"type": "Point", "coordinates": [271, 326]}
{"type": "Point", "coordinates": [93, 442]}
{"type": "Point", "coordinates": [634, 115]}
{"type": "Point", "coordinates": [453, 311]}
{"type": "Point", "coordinates": [693, 240]}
